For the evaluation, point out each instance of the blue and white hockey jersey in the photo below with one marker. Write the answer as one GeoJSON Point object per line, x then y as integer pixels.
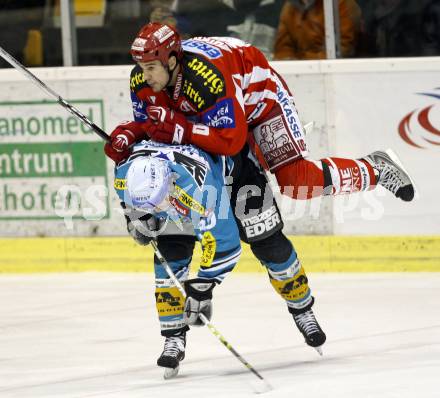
{"type": "Point", "coordinates": [199, 198]}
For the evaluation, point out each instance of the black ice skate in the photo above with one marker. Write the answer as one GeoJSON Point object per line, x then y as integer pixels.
{"type": "Point", "coordinates": [173, 353]}
{"type": "Point", "coordinates": [391, 174]}
{"type": "Point", "coordinates": [310, 329]}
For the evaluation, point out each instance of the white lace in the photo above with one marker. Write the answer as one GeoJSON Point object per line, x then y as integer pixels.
{"type": "Point", "coordinates": [173, 346]}
{"type": "Point", "coordinates": [307, 322]}
{"type": "Point", "coordinates": [389, 177]}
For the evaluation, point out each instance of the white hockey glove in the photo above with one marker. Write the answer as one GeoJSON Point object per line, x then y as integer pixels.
{"type": "Point", "coordinates": [198, 301]}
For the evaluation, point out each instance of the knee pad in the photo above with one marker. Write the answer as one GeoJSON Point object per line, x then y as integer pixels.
{"type": "Point", "coordinates": [273, 249]}
{"type": "Point", "coordinates": [175, 247]}
{"type": "Point", "coordinates": [177, 250]}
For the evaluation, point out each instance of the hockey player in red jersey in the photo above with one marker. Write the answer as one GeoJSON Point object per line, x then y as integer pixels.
{"type": "Point", "coordinates": [220, 94]}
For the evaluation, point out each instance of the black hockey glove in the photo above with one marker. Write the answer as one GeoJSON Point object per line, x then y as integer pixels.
{"type": "Point", "coordinates": [198, 301]}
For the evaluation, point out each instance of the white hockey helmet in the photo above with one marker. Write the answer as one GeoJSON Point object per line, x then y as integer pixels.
{"type": "Point", "coordinates": [149, 182]}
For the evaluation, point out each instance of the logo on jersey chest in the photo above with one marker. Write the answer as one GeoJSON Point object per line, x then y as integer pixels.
{"type": "Point", "coordinates": [193, 95]}
{"type": "Point", "coordinates": [212, 78]}
{"type": "Point", "coordinates": [222, 115]}
{"type": "Point", "coordinates": [136, 80]}
{"type": "Point", "coordinates": [188, 200]}
{"type": "Point", "coordinates": [183, 211]}
{"type": "Point", "coordinates": [203, 83]}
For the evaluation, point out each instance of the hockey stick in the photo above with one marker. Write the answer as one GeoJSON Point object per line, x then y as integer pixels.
{"type": "Point", "coordinates": [26, 72]}
{"type": "Point", "coordinates": [264, 386]}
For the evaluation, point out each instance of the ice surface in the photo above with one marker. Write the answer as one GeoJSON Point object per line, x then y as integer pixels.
{"type": "Point", "coordinates": [97, 335]}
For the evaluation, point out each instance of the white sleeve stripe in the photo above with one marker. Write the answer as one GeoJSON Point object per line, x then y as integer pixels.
{"type": "Point", "coordinates": [257, 75]}
{"type": "Point", "coordinates": [238, 81]}
{"type": "Point", "coordinates": [258, 96]}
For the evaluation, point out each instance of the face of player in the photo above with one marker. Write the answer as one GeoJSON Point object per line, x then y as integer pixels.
{"type": "Point", "coordinates": [157, 76]}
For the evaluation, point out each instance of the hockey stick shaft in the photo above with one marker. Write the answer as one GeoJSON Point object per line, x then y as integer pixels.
{"type": "Point", "coordinates": [69, 107]}
{"type": "Point", "coordinates": [205, 320]}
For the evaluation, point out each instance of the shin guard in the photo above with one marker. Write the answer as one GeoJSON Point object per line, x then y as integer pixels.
{"type": "Point", "coordinates": [292, 285]}
{"type": "Point", "coordinates": [169, 304]}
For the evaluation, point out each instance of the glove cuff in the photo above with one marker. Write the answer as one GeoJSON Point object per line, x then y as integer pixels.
{"type": "Point", "coordinates": [114, 155]}
{"type": "Point", "coordinates": [136, 128]}
{"type": "Point", "coordinates": [200, 289]}
{"type": "Point", "coordinates": [187, 137]}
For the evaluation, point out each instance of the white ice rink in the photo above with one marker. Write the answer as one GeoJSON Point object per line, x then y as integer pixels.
{"type": "Point", "coordinates": [96, 335]}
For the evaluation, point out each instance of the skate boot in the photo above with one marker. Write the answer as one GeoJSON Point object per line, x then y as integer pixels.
{"type": "Point", "coordinates": [173, 353]}
{"type": "Point", "coordinates": [391, 174]}
{"type": "Point", "coordinates": [310, 329]}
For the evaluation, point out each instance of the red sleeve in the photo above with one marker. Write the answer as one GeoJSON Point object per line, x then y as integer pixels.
{"type": "Point", "coordinates": [222, 141]}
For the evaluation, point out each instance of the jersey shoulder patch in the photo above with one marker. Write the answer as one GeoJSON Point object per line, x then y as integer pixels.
{"type": "Point", "coordinates": [203, 82]}
{"type": "Point", "coordinates": [212, 47]}
{"type": "Point", "coordinates": [137, 79]}
{"type": "Point", "coordinates": [201, 47]}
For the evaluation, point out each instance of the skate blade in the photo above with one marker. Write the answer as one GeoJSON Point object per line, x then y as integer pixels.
{"type": "Point", "coordinates": [397, 160]}
{"type": "Point", "coordinates": [319, 350]}
{"type": "Point", "coordinates": [169, 373]}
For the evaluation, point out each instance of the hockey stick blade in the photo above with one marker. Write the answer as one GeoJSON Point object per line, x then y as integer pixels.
{"type": "Point", "coordinates": [69, 107]}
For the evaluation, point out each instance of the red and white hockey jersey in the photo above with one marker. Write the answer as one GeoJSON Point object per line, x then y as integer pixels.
{"type": "Point", "coordinates": [225, 84]}
{"type": "Point", "coordinates": [228, 89]}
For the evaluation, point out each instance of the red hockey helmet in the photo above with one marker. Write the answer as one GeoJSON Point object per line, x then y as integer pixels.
{"type": "Point", "coordinates": [156, 41]}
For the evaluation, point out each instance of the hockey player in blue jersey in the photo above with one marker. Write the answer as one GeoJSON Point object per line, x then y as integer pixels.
{"type": "Point", "coordinates": [159, 184]}
{"type": "Point", "coordinates": [186, 186]}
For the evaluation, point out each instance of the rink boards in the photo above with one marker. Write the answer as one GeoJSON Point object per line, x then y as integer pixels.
{"type": "Point", "coordinates": [56, 181]}
{"type": "Point", "coordinates": [317, 253]}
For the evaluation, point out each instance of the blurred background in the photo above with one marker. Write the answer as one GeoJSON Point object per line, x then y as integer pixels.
{"type": "Point", "coordinates": [282, 29]}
